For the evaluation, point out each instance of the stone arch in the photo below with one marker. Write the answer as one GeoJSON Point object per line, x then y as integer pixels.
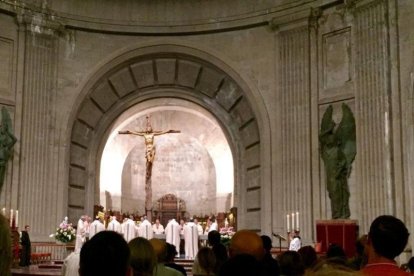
{"type": "Point", "coordinates": [177, 72]}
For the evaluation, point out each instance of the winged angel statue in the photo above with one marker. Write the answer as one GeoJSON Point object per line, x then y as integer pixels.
{"type": "Point", "coordinates": [7, 141]}
{"type": "Point", "coordinates": [338, 150]}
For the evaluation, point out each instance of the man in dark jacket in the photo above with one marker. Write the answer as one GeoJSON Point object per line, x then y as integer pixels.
{"type": "Point", "coordinates": [26, 247]}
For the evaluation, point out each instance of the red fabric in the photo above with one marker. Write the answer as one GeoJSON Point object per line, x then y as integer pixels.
{"type": "Point", "coordinates": [383, 269]}
{"type": "Point", "coordinates": [340, 232]}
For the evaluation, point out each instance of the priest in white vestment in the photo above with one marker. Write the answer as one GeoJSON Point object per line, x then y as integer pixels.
{"type": "Point", "coordinates": [296, 243]}
{"type": "Point", "coordinates": [190, 240]}
{"type": "Point", "coordinates": [129, 229]}
{"type": "Point", "coordinates": [80, 233]}
{"type": "Point", "coordinates": [172, 234]}
{"type": "Point", "coordinates": [213, 225]}
{"type": "Point", "coordinates": [145, 229]}
{"type": "Point", "coordinates": [114, 225]}
{"type": "Point", "coordinates": [157, 228]}
{"type": "Point", "coordinates": [96, 227]}
{"type": "Point", "coordinates": [199, 227]}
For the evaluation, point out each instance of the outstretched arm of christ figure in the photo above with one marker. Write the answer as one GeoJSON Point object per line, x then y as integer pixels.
{"type": "Point", "coordinates": [164, 132]}
{"type": "Point", "coordinates": [131, 132]}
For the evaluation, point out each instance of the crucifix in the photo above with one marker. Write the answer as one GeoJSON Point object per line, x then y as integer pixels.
{"type": "Point", "coordinates": [148, 135]}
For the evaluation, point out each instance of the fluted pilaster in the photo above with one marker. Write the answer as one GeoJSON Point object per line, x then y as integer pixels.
{"type": "Point", "coordinates": [295, 124]}
{"type": "Point", "coordinates": [38, 179]}
{"type": "Point", "coordinates": [373, 110]}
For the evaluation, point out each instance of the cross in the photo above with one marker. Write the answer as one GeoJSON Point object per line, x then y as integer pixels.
{"type": "Point", "coordinates": [148, 135]}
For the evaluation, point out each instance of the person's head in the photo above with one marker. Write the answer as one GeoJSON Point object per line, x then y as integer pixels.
{"type": "Point", "coordinates": [171, 252]}
{"type": "Point", "coordinates": [335, 251]}
{"type": "Point", "coordinates": [325, 268]}
{"type": "Point", "coordinates": [410, 264]}
{"type": "Point", "coordinates": [5, 247]}
{"type": "Point", "coordinates": [308, 255]}
{"type": "Point", "coordinates": [160, 248]}
{"type": "Point", "coordinates": [360, 245]}
{"type": "Point", "coordinates": [387, 236]}
{"type": "Point", "coordinates": [27, 228]}
{"type": "Point", "coordinates": [242, 264]}
{"type": "Point", "coordinates": [213, 237]}
{"type": "Point", "coordinates": [291, 264]}
{"type": "Point", "coordinates": [142, 259]}
{"type": "Point", "coordinates": [246, 242]}
{"type": "Point", "coordinates": [157, 221]}
{"type": "Point", "coordinates": [267, 243]}
{"type": "Point", "coordinates": [206, 259]}
{"type": "Point", "coordinates": [107, 253]}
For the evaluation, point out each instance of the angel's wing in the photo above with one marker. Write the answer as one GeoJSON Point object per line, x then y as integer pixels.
{"type": "Point", "coordinates": [5, 119]}
{"type": "Point", "coordinates": [346, 134]}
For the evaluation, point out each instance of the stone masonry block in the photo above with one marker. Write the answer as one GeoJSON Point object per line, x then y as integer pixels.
{"type": "Point", "coordinates": [253, 178]}
{"type": "Point", "coordinates": [123, 82]}
{"type": "Point", "coordinates": [253, 199]}
{"type": "Point", "coordinates": [254, 220]}
{"type": "Point", "coordinates": [242, 112]}
{"type": "Point", "coordinates": [252, 156]}
{"type": "Point", "coordinates": [81, 134]}
{"type": "Point", "coordinates": [78, 156]}
{"type": "Point", "coordinates": [209, 81]}
{"type": "Point", "coordinates": [77, 177]}
{"type": "Point", "coordinates": [104, 96]}
{"type": "Point", "coordinates": [143, 73]}
{"type": "Point", "coordinates": [187, 73]}
{"type": "Point", "coordinates": [228, 94]}
{"type": "Point", "coordinates": [74, 214]}
{"type": "Point", "coordinates": [165, 71]}
{"type": "Point", "coordinates": [250, 134]}
{"type": "Point", "coordinates": [90, 113]}
{"type": "Point", "coordinates": [76, 197]}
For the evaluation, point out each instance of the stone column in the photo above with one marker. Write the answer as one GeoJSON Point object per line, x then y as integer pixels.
{"type": "Point", "coordinates": [38, 166]}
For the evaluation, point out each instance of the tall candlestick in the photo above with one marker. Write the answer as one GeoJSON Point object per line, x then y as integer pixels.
{"type": "Point", "coordinates": [17, 218]}
{"type": "Point", "coordinates": [11, 217]}
{"type": "Point", "coordinates": [297, 220]}
{"type": "Point", "coordinates": [288, 221]}
{"type": "Point", "coordinates": [293, 221]}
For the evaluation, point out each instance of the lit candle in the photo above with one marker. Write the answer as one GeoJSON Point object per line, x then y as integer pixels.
{"type": "Point", "coordinates": [4, 211]}
{"type": "Point", "coordinates": [297, 220]}
{"type": "Point", "coordinates": [11, 217]}
{"type": "Point", "coordinates": [293, 221]}
{"type": "Point", "coordinates": [17, 218]}
{"type": "Point", "coordinates": [288, 221]}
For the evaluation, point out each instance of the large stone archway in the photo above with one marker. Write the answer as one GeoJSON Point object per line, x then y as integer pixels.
{"type": "Point", "coordinates": [172, 71]}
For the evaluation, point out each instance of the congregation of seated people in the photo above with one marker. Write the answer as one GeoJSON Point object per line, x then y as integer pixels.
{"type": "Point", "coordinates": [108, 253]}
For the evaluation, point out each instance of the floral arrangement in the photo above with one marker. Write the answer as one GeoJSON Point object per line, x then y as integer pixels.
{"type": "Point", "coordinates": [226, 234]}
{"type": "Point", "coordinates": [65, 232]}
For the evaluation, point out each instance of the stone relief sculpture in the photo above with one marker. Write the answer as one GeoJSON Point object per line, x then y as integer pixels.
{"type": "Point", "coordinates": [338, 150]}
{"type": "Point", "coordinates": [7, 141]}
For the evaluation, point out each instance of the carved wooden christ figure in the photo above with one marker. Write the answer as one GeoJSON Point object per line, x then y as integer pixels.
{"type": "Point", "coordinates": [148, 135]}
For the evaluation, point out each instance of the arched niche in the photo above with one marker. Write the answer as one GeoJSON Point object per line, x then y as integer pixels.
{"type": "Point", "coordinates": [196, 164]}
{"type": "Point", "coordinates": [173, 71]}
